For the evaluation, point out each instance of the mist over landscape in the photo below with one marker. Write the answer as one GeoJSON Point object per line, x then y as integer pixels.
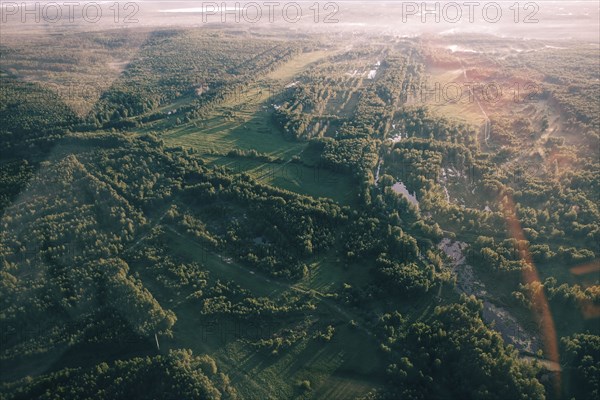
{"type": "Point", "coordinates": [369, 200]}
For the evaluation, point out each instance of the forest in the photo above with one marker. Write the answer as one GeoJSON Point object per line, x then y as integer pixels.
{"type": "Point", "coordinates": [146, 253]}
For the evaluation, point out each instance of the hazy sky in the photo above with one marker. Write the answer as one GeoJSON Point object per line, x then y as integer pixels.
{"type": "Point", "coordinates": [539, 19]}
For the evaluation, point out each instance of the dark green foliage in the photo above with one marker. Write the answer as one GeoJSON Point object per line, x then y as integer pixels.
{"type": "Point", "coordinates": [176, 375]}
{"type": "Point", "coordinates": [108, 236]}
{"type": "Point", "coordinates": [428, 359]}
{"type": "Point", "coordinates": [582, 354]}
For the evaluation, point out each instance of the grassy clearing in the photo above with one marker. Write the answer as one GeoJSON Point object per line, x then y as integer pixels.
{"type": "Point", "coordinates": [258, 374]}
{"type": "Point", "coordinates": [328, 274]}
{"type": "Point", "coordinates": [464, 111]}
{"type": "Point", "coordinates": [243, 123]}
{"type": "Point", "coordinates": [299, 178]}
{"type": "Point", "coordinates": [445, 85]}
{"type": "Point", "coordinates": [298, 64]}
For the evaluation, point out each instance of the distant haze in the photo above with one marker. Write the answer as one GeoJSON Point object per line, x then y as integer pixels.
{"type": "Point", "coordinates": [554, 20]}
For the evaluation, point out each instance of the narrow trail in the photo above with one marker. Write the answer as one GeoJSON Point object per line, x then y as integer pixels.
{"type": "Point", "coordinates": [149, 230]}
